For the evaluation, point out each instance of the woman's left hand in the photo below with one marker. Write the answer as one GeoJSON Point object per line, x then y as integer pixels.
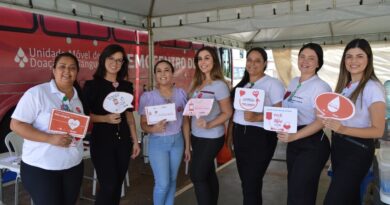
{"type": "Point", "coordinates": [187, 155]}
{"type": "Point", "coordinates": [202, 123]}
{"type": "Point", "coordinates": [286, 137]}
{"type": "Point", "coordinates": [136, 150]}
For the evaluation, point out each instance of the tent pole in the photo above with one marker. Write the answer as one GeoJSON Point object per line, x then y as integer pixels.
{"type": "Point", "coordinates": [151, 53]}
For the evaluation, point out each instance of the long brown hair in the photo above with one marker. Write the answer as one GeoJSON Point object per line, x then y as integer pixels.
{"type": "Point", "coordinates": [345, 76]}
{"type": "Point", "coordinates": [215, 73]}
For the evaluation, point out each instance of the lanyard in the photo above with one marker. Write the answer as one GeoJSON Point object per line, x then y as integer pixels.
{"type": "Point", "coordinates": [293, 93]}
{"type": "Point", "coordinates": [64, 105]}
{"type": "Point", "coordinates": [250, 85]}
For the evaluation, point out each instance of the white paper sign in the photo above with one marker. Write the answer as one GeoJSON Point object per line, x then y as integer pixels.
{"type": "Point", "coordinates": [198, 107]}
{"type": "Point", "coordinates": [280, 119]}
{"type": "Point", "coordinates": [117, 102]}
{"type": "Point", "coordinates": [155, 114]}
{"type": "Point", "coordinates": [249, 99]}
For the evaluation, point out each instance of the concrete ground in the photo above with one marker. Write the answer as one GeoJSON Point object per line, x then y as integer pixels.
{"type": "Point", "coordinates": [141, 185]}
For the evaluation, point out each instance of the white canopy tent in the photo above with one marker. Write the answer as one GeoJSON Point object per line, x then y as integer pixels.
{"type": "Point", "coordinates": [235, 23]}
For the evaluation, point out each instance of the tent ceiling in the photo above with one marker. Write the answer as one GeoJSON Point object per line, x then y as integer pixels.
{"type": "Point", "coordinates": [170, 7]}
{"type": "Point", "coordinates": [231, 22]}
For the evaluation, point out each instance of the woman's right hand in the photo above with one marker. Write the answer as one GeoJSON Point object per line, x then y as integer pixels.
{"type": "Point", "coordinates": [61, 140]}
{"type": "Point", "coordinates": [113, 118]}
{"type": "Point", "coordinates": [160, 126]}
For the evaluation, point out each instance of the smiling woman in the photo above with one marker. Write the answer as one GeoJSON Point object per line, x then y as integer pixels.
{"type": "Point", "coordinates": [353, 139]}
{"type": "Point", "coordinates": [167, 140]}
{"type": "Point", "coordinates": [253, 145]}
{"type": "Point", "coordinates": [48, 160]}
{"type": "Point", "coordinates": [307, 150]}
{"type": "Point", "coordinates": [113, 138]}
{"type": "Point", "coordinates": [208, 131]}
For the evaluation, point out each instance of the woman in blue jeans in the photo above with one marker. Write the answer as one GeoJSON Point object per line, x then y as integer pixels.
{"type": "Point", "coordinates": [166, 142]}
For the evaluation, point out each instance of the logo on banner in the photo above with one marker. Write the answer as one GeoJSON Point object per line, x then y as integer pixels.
{"type": "Point", "coordinates": [21, 58]}
{"type": "Point", "coordinates": [334, 105]}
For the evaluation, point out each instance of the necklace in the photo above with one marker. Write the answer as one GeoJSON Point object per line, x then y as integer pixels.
{"type": "Point", "coordinates": [167, 98]}
{"type": "Point", "coordinates": [115, 85]}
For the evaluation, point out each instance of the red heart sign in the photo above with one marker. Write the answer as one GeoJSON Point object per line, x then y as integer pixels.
{"type": "Point", "coordinates": [334, 105]}
{"type": "Point", "coordinates": [242, 92]}
{"type": "Point", "coordinates": [255, 93]}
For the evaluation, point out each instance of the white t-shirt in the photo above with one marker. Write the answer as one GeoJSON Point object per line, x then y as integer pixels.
{"type": "Point", "coordinates": [274, 91]}
{"type": "Point", "coordinates": [303, 97]}
{"type": "Point", "coordinates": [35, 108]}
{"type": "Point", "coordinates": [372, 92]}
{"type": "Point", "coordinates": [217, 90]}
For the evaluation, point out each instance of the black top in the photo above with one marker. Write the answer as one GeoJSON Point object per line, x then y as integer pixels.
{"type": "Point", "coordinates": [95, 91]}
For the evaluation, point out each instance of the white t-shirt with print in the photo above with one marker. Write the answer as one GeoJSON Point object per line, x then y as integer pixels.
{"type": "Point", "coordinates": [372, 92]}
{"type": "Point", "coordinates": [303, 97]}
{"type": "Point", "coordinates": [274, 91]}
{"type": "Point", "coordinates": [35, 108]}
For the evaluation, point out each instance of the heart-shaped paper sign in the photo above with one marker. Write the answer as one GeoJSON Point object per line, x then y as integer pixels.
{"type": "Point", "coordinates": [117, 102]}
{"type": "Point", "coordinates": [335, 106]}
{"type": "Point", "coordinates": [73, 124]}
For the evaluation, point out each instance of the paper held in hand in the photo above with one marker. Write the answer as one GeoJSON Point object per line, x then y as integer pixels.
{"type": "Point", "coordinates": [280, 119]}
{"type": "Point", "coordinates": [249, 99]}
{"type": "Point", "coordinates": [335, 106]}
{"type": "Point", "coordinates": [155, 114]}
{"type": "Point", "coordinates": [198, 107]}
{"type": "Point", "coordinates": [65, 122]}
{"type": "Point", "coordinates": [117, 102]}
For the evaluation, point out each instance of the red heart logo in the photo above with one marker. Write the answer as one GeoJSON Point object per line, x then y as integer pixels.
{"type": "Point", "coordinates": [255, 93]}
{"type": "Point", "coordinates": [242, 92]}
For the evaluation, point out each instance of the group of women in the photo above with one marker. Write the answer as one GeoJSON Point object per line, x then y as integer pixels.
{"type": "Point", "coordinates": [52, 165]}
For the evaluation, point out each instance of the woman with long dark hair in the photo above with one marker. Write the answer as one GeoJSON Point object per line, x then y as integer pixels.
{"type": "Point", "coordinates": [51, 168]}
{"type": "Point", "coordinates": [353, 148]}
{"type": "Point", "coordinates": [253, 145]}
{"type": "Point", "coordinates": [208, 131]}
{"type": "Point", "coordinates": [113, 138]}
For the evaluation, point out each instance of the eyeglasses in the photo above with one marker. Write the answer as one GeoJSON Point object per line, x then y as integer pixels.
{"type": "Point", "coordinates": [117, 61]}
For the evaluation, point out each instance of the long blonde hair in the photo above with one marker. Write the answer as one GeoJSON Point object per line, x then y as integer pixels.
{"type": "Point", "coordinates": [215, 73]}
{"type": "Point", "coordinates": [345, 76]}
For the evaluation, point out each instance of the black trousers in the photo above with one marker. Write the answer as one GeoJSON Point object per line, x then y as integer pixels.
{"type": "Point", "coordinates": [111, 161]}
{"type": "Point", "coordinates": [47, 187]}
{"type": "Point", "coordinates": [254, 148]}
{"type": "Point", "coordinates": [306, 159]}
{"type": "Point", "coordinates": [350, 164]}
{"type": "Point", "coordinates": [202, 169]}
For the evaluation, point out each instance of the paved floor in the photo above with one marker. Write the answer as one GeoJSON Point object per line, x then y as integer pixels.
{"type": "Point", "coordinates": [274, 188]}
{"type": "Point", "coordinates": [141, 185]}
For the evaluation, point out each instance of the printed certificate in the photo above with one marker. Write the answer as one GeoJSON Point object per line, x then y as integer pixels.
{"type": "Point", "coordinates": [198, 107]}
{"type": "Point", "coordinates": [155, 114]}
{"type": "Point", "coordinates": [280, 119]}
{"type": "Point", "coordinates": [70, 123]}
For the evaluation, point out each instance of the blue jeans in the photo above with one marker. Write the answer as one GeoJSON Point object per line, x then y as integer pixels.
{"type": "Point", "coordinates": [165, 154]}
